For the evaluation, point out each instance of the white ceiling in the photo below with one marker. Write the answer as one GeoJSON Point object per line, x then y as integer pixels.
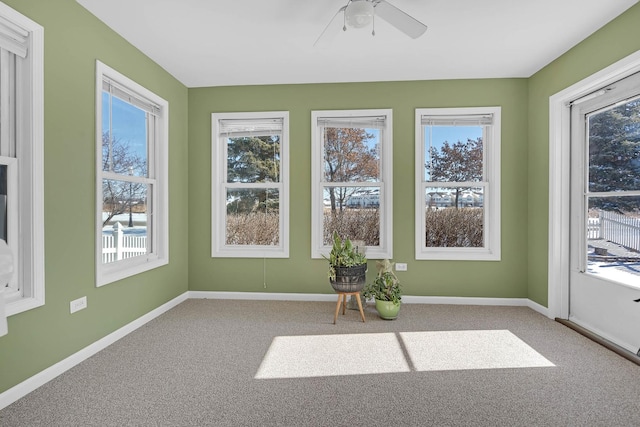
{"type": "Point", "coordinates": [247, 42]}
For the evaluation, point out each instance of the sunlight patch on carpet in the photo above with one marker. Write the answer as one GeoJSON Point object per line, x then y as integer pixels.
{"type": "Point", "coordinates": [331, 355]}
{"type": "Point", "coordinates": [382, 353]}
{"type": "Point", "coordinates": [458, 350]}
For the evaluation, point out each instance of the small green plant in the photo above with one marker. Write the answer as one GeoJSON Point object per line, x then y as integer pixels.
{"type": "Point", "coordinates": [343, 254]}
{"type": "Point", "coordinates": [386, 286]}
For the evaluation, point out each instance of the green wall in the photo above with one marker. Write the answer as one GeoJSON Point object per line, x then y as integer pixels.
{"type": "Point", "coordinates": [74, 39]}
{"type": "Point", "coordinates": [38, 338]}
{"type": "Point", "coordinates": [299, 273]}
{"type": "Point", "coordinates": [613, 42]}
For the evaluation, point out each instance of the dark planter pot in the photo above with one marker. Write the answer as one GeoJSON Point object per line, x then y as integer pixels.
{"type": "Point", "coordinates": [349, 279]}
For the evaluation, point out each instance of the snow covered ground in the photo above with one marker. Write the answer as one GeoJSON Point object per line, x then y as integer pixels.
{"type": "Point", "coordinates": [139, 221]}
{"type": "Point", "coordinates": [627, 273]}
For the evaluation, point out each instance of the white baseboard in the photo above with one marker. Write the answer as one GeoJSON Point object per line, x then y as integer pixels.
{"type": "Point", "coordinates": [261, 296]}
{"type": "Point", "coordinates": [41, 378]}
{"type": "Point", "coordinates": [539, 308]}
{"type": "Point", "coordinates": [515, 302]}
{"type": "Point", "coordinates": [511, 302]}
{"type": "Point", "coordinates": [408, 299]}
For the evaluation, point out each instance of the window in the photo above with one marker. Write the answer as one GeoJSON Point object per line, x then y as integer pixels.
{"type": "Point", "coordinates": [351, 190]}
{"type": "Point", "coordinates": [250, 185]}
{"type": "Point", "coordinates": [458, 183]}
{"type": "Point", "coordinates": [21, 157]}
{"type": "Point", "coordinates": [132, 145]}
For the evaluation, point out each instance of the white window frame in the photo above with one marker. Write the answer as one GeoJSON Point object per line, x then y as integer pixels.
{"type": "Point", "coordinates": [560, 176]}
{"type": "Point", "coordinates": [385, 249]}
{"type": "Point", "coordinates": [158, 211]}
{"type": "Point", "coordinates": [219, 186]}
{"type": "Point", "coordinates": [491, 164]}
{"type": "Point", "coordinates": [27, 289]}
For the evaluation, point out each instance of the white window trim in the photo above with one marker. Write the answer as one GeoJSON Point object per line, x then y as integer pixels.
{"type": "Point", "coordinates": [219, 249]}
{"type": "Point", "coordinates": [30, 152]}
{"type": "Point", "coordinates": [492, 165]}
{"type": "Point", "coordinates": [385, 249]}
{"type": "Point", "coordinates": [159, 253]}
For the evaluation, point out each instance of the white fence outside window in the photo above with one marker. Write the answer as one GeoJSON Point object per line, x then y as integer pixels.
{"type": "Point", "coordinates": [616, 228]}
{"type": "Point", "coordinates": [118, 245]}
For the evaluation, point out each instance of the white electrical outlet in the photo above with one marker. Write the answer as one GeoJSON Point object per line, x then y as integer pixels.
{"type": "Point", "coordinates": [401, 266]}
{"type": "Point", "coordinates": [78, 304]}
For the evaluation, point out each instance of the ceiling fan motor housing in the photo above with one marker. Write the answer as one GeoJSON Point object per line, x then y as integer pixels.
{"type": "Point", "coordinates": [359, 13]}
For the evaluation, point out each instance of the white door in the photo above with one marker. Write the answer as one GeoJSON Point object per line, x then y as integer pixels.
{"type": "Point", "coordinates": [604, 280]}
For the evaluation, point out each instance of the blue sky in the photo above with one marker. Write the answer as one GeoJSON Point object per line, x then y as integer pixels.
{"type": "Point", "coordinates": [451, 134]}
{"type": "Point", "coordinates": [129, 123]}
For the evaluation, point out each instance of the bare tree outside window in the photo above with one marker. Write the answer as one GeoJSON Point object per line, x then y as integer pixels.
{"type": "Point", "coordinates": [457, 194]}
{"type": "Point", "coordinates": [126, 187]}
{"type": "Point", "coordinates": [457, 162]}
{"type": "Point", "coordinates": [351, 156]}
{"type": "Point", "coordinates": [121, 197]}
{"type": "Point", "coordinates": [454, 214]}
{"type": "Point", "coordinates": [348, 158]}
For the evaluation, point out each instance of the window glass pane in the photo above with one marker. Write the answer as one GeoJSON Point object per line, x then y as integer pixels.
{"type": "Point", "coordinates": [124, 137]}
{"type": "Point", "coordinates": [352, 180]}
{"type": "Point", "coordinates": [253, 159]}
{"type": "Point", "coordinates": [458, 188]}
{"type": "Point", "coordinates": [614, 148]}
{"type": "Point", "coordinates": [249, 154]}
{"type": "Point", "coordinates": [3, 202]}
{"type": "Point", "coordinates": [253, 217]}
{"type": "Point", "coordinates": [353, 212]}
{"type": "Point", "coordinates": [454, 217]}
{"type": "Point", "coordinates": [351, 154]}
{"type": "Point", "coordinates": [453, 154]}
{"type": "Point", "coordinates": [124, 220]}
{"type": "Point", "coordinates": [132, 226]}
{"type": "Point", "coordinates": [340, 198]}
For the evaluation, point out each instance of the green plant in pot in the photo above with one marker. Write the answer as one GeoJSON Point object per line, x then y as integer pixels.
{"type": "Point", "coordinates": [347, 266]}
{"type": "Point", "coordinates": [386, 291]}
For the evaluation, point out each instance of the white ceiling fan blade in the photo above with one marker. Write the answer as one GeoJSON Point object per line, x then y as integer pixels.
{"type": "Point", "coordinates": [333, 27]}
{"type": "Point", "coordinates": [399, 19]}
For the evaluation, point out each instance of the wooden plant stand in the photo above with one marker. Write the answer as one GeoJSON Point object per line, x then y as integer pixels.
{"type": "Point", "coordinates": [342, 298]}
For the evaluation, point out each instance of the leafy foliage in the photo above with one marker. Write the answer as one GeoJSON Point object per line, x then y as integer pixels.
{"type": "Point", "coordinates": [343, 254]}
{"type": "Point", "coordinates": [253, 160]}
{"type": "Point", "coordinates": [614, 154]}
{"type": "Point", "coordinates": [386, 286]}
{"type": "Point", "coordinates": [458, 162]}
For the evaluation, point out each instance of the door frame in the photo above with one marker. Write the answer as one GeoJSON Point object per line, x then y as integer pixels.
{"type": "Point", "coordinates": [560, 173]}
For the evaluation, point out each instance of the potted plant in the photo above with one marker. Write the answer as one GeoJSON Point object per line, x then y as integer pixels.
{"type": "Point", "coordinates": [386, 291]}
{"type": "Point", "coordinates": [347, 266]}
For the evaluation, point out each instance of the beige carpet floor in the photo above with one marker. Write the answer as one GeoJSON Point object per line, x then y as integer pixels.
{"type": "Point", "coordinates": [278, 363]}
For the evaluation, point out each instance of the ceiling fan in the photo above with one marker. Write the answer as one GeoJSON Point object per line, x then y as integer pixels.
{"type": "Point", "coordinates": [361, 13]}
